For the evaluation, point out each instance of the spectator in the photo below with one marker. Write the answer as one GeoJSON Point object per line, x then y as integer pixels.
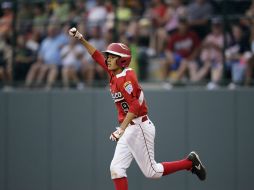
{"type": "Point", "coordinates": [33, 41]}
{"type": "Point", "coordinates": [5, 60]}
{"type": "Point", "coordinates": [157, 15]}
{"type": "Point", "coordinates": [211, 57]}
{"type": "Point", "coordinates": [40, 19]}
{"type": "Point", "coordinates": [175, 10]}
{"type": "Point", "coordinates": [23, 59]}
{"type": "Point", "coordinates": [199, 12]}
{"type": "Point", "coordinates": [248, 23]}
{"type": "Point", "coordinates": [2, 58]}
{"type": "Point", "coordinates": [48, 59]}
{"type": "Point", "coordinates": [72, 56]}
{"type": "Point", "coordinates": [97, 15]}
{"type": "Point", "coordinates": [183, 47]}
{"type": "Point", "coordinates": [145, 50]}
{"type": "Point", "coordinates": [61, 11]}
{"type": "Point", "coordinates": [237, 55]}
{"type": "Point", "coordinates": [6, 19]}
{"type": "Point", "coordinates": [250, 63]}
{"type": "Point", "coordinates": [250, 13]}
{"type": "Point", "coordinates": [24, 15]}
{"type": "Point", "coordinates": [156, 12]}
{"type": "Point", "coordinates": [249, 72]}
{"type": "Point", "coordinates": [123, 12]}
{"type": "Point", "coordinates": [126, 26]}
{"type": "Point", "coordinates": [89, 69]}
{"type": "Point", "coordinates": [77, 12]}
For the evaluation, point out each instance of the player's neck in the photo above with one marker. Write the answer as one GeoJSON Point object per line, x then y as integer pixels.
{"type": "Point", "coordinates": [117, 71]}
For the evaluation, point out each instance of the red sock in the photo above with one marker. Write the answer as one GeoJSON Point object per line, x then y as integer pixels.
{"type": "Point", "coordinates": [171, 167]}
{"type": "Point", "coordinates": [121, 183]}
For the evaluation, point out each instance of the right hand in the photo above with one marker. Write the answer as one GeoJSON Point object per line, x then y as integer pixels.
{"type": "Point", "coordinates": [75, 33]}
{"type": "Point", "coordinates": [115, 136]}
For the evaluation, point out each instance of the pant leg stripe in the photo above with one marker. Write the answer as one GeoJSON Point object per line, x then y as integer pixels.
{"type": "Point", "coordinates": [148, 150]}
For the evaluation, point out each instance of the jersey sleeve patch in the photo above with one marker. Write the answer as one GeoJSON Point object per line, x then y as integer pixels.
{"type": "Point", "coordinates": [128, 87]}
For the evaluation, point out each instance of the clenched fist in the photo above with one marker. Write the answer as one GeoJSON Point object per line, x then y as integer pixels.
{"type": "Point", "coordinates": [115, 136]}
{"type": "Point", "coordinates": [75, 33]}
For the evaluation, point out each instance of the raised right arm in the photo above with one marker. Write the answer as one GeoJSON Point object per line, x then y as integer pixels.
{"type": "Point", "coordinates": [95, 54]}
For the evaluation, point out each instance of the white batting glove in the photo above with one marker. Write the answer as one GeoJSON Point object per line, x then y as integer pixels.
{"type": "Point", "coordinates": [75, 33]}
{"type": "Point", "coordinates": [115, 136]}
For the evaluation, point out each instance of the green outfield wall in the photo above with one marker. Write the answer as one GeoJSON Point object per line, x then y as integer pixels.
{"type": "Point", "coordinates": [59, 140]}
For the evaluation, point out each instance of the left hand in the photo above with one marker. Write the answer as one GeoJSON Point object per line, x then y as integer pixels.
{"type": "Point", "coordinates": [115, 136]}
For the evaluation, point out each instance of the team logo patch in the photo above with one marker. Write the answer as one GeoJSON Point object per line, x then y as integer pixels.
{"type": "Point", "coordinates": [128, 87]}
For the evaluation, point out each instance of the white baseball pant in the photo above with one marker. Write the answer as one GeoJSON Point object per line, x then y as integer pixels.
{"type": "Point", "coordinates": [137, 142]}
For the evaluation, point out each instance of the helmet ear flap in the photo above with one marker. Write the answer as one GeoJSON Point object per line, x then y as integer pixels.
{"type": "Point", "coordinates": [124, 61]}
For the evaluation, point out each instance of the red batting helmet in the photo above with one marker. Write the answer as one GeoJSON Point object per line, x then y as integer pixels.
{"type": "Point", "coordinates": [122, 51]}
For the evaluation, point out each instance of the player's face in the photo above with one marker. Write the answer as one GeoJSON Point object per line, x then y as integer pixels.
{"type": "Point", "coordinates": [111, 62]}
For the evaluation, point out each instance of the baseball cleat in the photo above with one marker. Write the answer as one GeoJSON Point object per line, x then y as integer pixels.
{"type": "Point", "coordinates": [197, 166]}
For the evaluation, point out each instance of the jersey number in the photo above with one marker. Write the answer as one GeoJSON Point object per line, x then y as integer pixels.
{"type": "Point", "coordinates": [125, 107]}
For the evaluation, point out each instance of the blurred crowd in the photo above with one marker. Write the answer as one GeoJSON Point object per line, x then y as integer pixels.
{"type": "Point", "coordinates": [172, 41]}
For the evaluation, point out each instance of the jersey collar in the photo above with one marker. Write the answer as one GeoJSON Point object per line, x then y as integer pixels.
{"type": "Point", "coordinates": [123, 73]}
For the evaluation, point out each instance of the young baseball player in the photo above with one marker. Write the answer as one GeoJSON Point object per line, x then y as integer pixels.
{"type": "Point", "coordinates": [136, 133]}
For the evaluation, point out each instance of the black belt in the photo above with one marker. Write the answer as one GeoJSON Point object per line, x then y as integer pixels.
{"type": "Point", "coordinates": [144, 118]}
